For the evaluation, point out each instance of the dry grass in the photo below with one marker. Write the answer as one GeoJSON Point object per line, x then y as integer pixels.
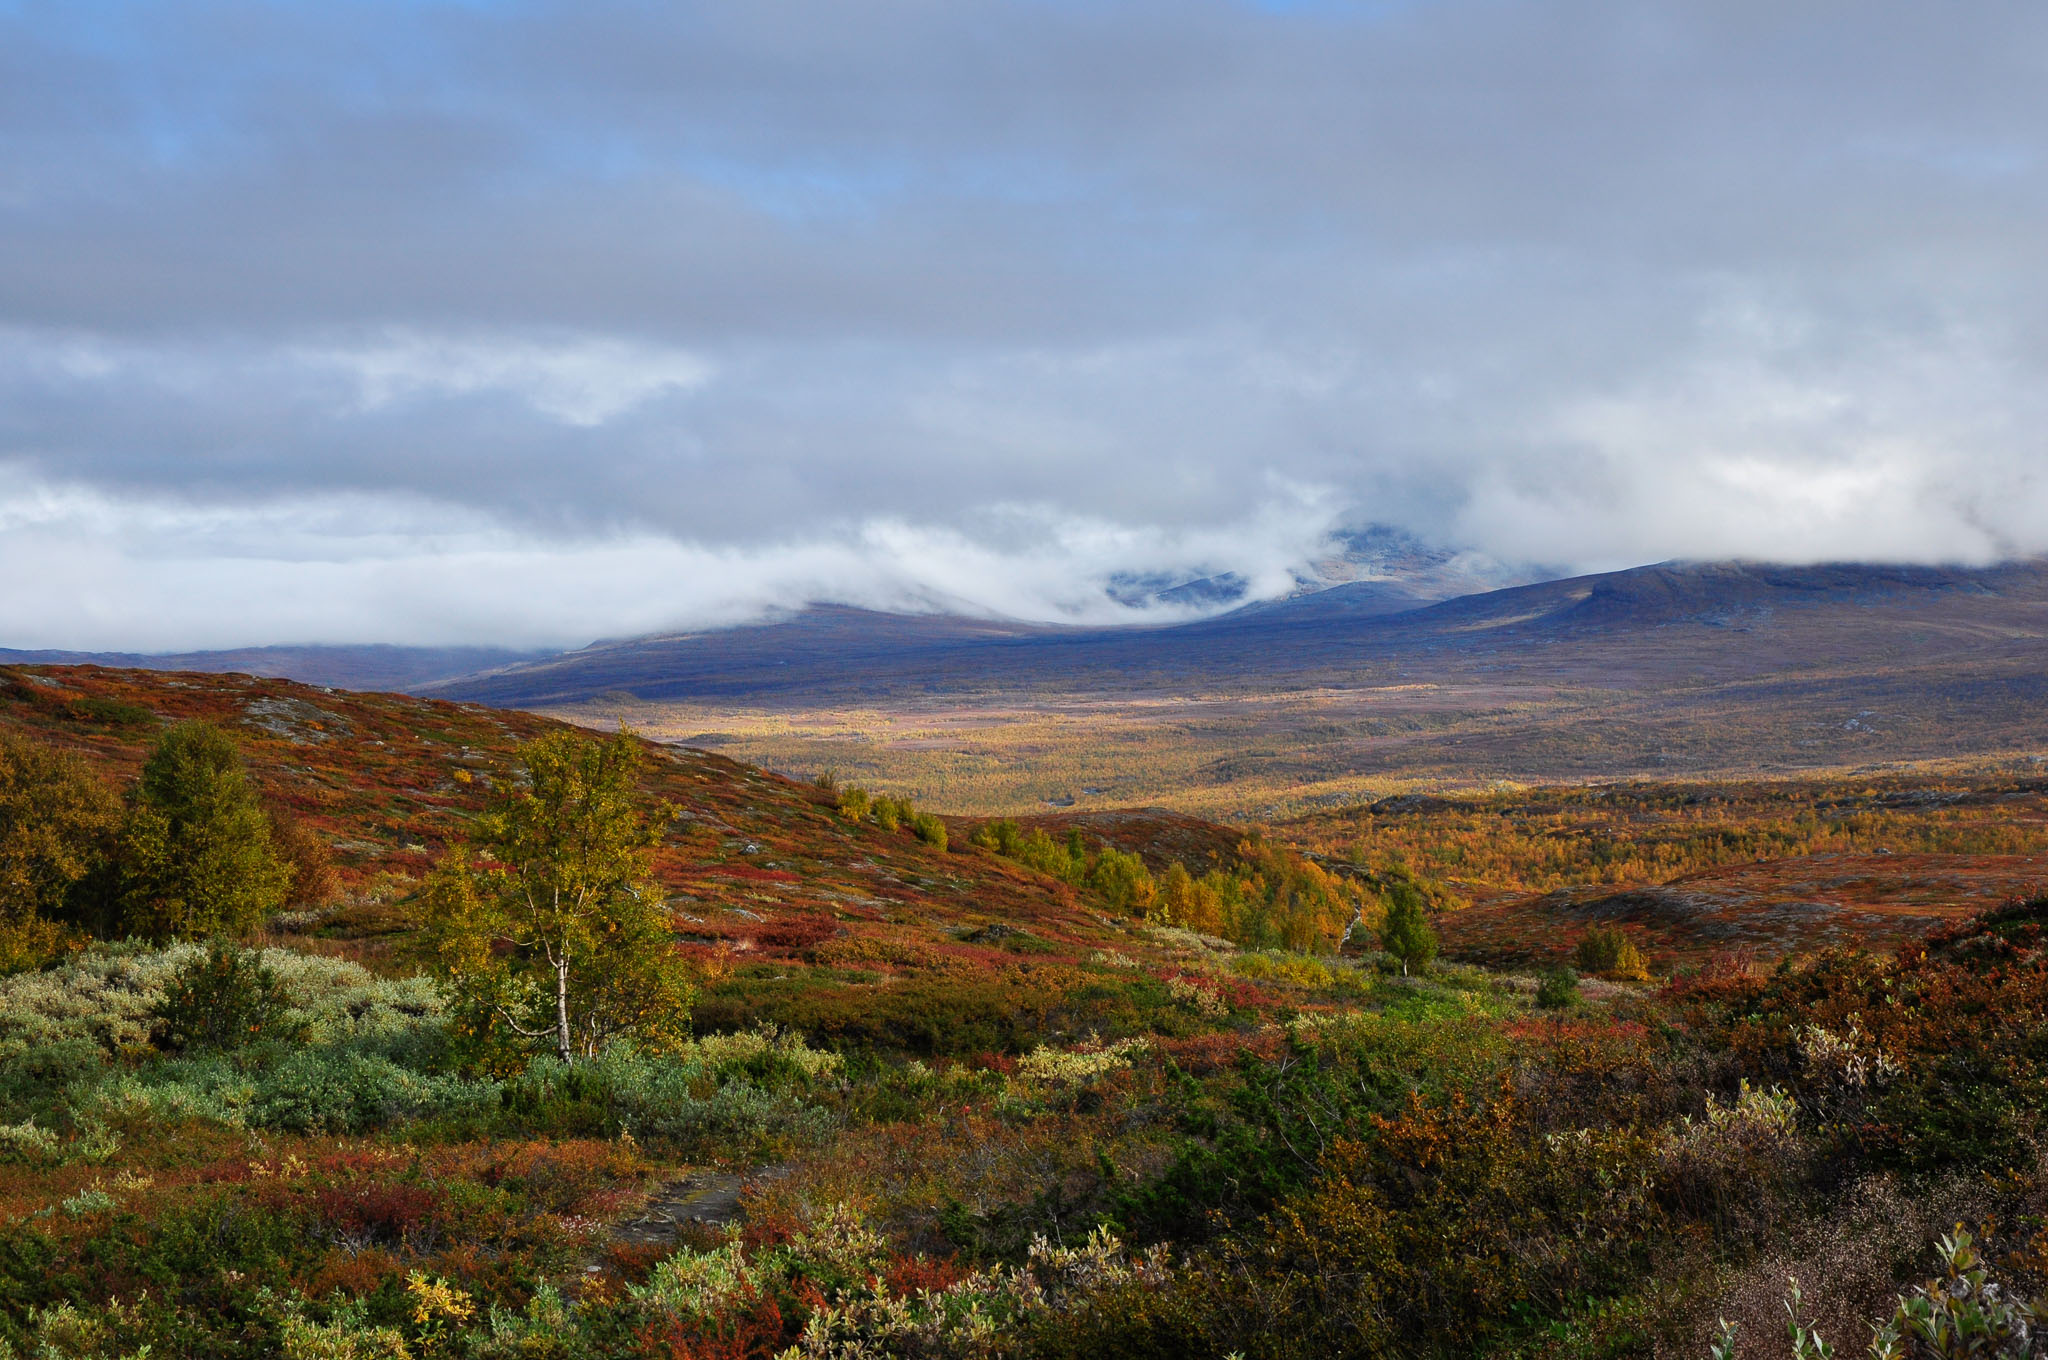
{"type": "Point", "coordinates": [1269, 754]}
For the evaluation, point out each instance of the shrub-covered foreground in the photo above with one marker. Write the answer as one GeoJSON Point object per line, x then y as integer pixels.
{"type": "Point", "coordinates": [1273, 1155]}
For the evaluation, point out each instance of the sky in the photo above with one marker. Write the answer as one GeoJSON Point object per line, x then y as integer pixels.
{"type": "Point", "coordinates": [527, 323]}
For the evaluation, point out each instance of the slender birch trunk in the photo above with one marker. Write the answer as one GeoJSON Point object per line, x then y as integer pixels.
{"type": "Point", "coordinates": [562, 1007]}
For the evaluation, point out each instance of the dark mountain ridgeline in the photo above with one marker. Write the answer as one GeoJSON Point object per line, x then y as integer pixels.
{"type": "Point", "coordinates": [1670, 623]}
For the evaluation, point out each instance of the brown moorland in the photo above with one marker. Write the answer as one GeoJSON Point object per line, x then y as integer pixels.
{"type": "Point", "coordinates": [1681, 671]}
{"type": "Point", "coordinates": [770, 884]}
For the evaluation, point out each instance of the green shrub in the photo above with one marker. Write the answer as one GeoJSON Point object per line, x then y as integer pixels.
{"type": "Point", "coordinates": [195, 854]}
{"type": "Point", "coordinates": [105, 995]}
{"type": "Point", "coordinates": [224, 998]}
{"type": "Point", "coordinates": [94, 708]}
{"type": "Point", "coordinates": [27, 1142]}
{"type": "Point", "coordinates": [1558, 989]}
{"type": "Point", "coordinates": [724, 1095]}
{"type": "Point", "coordinates": [930, 830]}
{"type": "Point", "coordinates": [339, 1091]}
{"type": "Point", "coordinates": [109, 995]}
{"type": "Point", "coordinates": [1606, 951]}
{"type": "Point", "coordinates": [888, 813]}
{"type": "Point", "coordinates": [854, 803]}
{"type": "Point", "coordinates": [35, 1079]}
{"type": "Point", "coordinates": [1406, 932]}
{"type": "Point", "coordinates": [308, 1090]}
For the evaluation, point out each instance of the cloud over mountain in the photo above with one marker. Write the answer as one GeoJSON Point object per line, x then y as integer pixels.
{"type": "Point", "coordinates": [534, 321]}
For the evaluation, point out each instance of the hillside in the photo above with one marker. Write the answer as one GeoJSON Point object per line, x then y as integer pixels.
{"type": "Point", "coordinates": [1648, 622]}
{"type": "Point", "coordinates": [1761, 911]}
{"type": "Point", "coordinates": [1701, 872]}
{"type": "Point", "coordinates": [339, 667]}
{"type": "Point", "coordinates": [768, 879]}
{"type": "Point", "coordinates": [1358, 687]}
{"type": "Point", "coordinates": [1719, 670]}
{"type": "Point", "coordinates": [763, 875]}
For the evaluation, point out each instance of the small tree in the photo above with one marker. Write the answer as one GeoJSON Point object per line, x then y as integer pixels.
{"type": "Point", "coordinates": [854, 803]}
{"type": "Point", "coordinates": [930, 830]}
{"type": "Point", "coordinates": [888, 813]}
{"type": "Point", "coordinates": [1558, 989]}
{"type": "Point", "coordinates": [1123, 880]}
{"type": "Point", "coordinates": [57, 826]}
{"type": "Point", "coordinates": [223, 999]}
{"type": "Point", "coordinates": [1607, 952]}
{"type": "Point", "coordinates": [195, 855]}
{"type": "Point", "coordinates": [1406, 932]}
{"type": "Point", "coordinates": [547, 926]}
{"type": "Point", "coordinates": [308, 863]}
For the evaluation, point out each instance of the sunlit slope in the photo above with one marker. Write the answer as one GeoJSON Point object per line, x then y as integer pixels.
{"type": "Point", "coordinates": [760, 869]}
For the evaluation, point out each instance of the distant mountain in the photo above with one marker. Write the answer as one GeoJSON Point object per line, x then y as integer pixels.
{"type": "Point", "coordinates": [1399, 562]}
{"type": "Point", "coordinates": [1649, 625]}
{"type": "Point", "coordinates": [1397, 569]}
{"type": "Point", "coordinates": [381, 668]}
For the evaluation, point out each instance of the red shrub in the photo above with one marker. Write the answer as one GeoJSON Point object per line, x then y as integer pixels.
{"type": "Point", "coordinates": [563, 1178]}
{"type": "Point", "coordinates": [354, 1273]}
{"type": "Point", "coordinates": [909, 1274]}
{"type": "Point", "coordinates": [748, 874]}
{"type": "Point", "coordinates": [380, 1214]}
{"type": "Point", "coordinates": [755, 1333]}
{"type": "Point", "coordinates": [796, 932]}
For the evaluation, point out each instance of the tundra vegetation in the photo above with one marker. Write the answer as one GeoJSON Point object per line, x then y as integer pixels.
{"type": "Point", "coordinates": [1008, 1090]}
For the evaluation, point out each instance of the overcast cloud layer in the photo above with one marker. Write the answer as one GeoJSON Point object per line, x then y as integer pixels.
{"type": "Point", "coordinates": [533, 322]}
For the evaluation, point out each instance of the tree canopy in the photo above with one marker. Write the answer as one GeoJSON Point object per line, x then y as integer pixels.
{"type": "Point", "coordinates": [195, 853]}
{"type": "Point", "coordinates": [57, 826]}
{"type": "Point", "coordinates": [547, 926]}
{"type": "Point", "coordinates": [1406, 932]}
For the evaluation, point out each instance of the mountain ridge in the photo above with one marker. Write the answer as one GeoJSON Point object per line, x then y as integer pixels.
{"type": "Point", "coordinates": [1309, 638]}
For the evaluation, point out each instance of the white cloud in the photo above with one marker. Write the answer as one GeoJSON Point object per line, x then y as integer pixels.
{"type": "Point", "coordinates": [579, 380]}
{"type": "Point", "coordinates": [1777, 441]}
{"type": "Point", "coordinates": [150, 574]}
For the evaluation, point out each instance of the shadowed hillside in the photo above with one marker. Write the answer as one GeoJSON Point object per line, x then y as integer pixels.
{"type": "Point", "coordinates": [1669, 623]}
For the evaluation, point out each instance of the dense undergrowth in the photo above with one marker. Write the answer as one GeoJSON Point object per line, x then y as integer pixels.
{"type": "Point", "coordinates": [1537, 840]}
{"type": "Point", "coordinates": [1262, 897]}
{"type": "Point", "coordinates": [1378, 1166]}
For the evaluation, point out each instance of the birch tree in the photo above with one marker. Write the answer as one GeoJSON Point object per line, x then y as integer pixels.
{"type": "Point", "coordinates": [548, 927]}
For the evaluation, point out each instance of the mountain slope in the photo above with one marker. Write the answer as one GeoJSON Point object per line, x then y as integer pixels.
{"type": "Point", "coordinates": [1730, 618]}
{"type": "Point", "coordinates": [1682, 669]}
{"type": "Point", "coordinates": [766, 880]}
